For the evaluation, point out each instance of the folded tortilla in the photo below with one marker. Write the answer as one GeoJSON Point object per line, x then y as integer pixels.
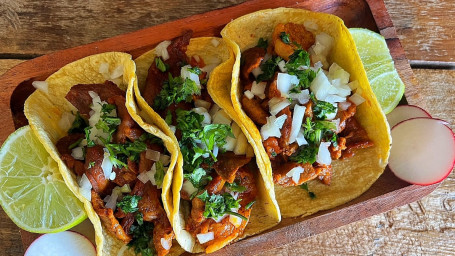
{"type": "Point", "coordinates": [44, 111]}
{"type": "Point", "coordinates": [351, 177]}
{"type": "Point", "coordinates": [265, 213]}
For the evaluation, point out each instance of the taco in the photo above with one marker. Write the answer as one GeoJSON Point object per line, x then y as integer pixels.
{"type": "Point", "coordinates": [115, 166]}
{"type": "Point", "coordinates": [301, 92]}
{"type": "Point", "coordinates": [220, 195]}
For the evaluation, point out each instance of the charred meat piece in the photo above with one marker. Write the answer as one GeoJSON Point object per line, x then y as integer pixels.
{"type": "Point", "coordinates": [95, 174]}
{"type": "Point", "coordinates": [162, 231]}
{"type": "Point", "coordinates": [177, 52]}
{"type": "Point", "coordinates": [252, 59]}
{"type": "Point", "coordinates": [272, 88]}
{"type": "Point", "coordinates": [127, 128]}
{"type": "Point", "coordinates": [228, 163]}
{"type": "Point", "coordinates": [196, 216]}
{"type": "Point", "coordinates": [280, 171]}
{"type": "Point", "coordinates": [335, 152]}
{"type": "Point", "coordinates": [150, 205]}
{"type": "Point", "coordinates": [108, 219]}
{"type": "Point", "coordinates": [287, 126]}
{"type": "Point", "coordinates": [298, 35]}
{"type": "Point", "coordinates": [356, 138]}
{"type": "Point", "coordinates": [272, 147]}
{"type": "Point", "coordinates": [63, 147]}
{"type": "Point", "coordinates": [126, 175]}
{"type": "Point", "coordinates": [254, 110]}
{"type": "Point", "coordinates": [216, 185]}
{"type": "Point", "coordinates": [79, 97]}
{"type": "Point", "coordinates": [154, 83]}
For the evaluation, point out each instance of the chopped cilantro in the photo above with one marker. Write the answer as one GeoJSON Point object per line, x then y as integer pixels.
{"type": "Point", "coordinates": [322, 108]}
{"type": "Point", "coordinates": [285, 37]}
{"type": "Point", "coordinates": [218, 205]}
{"type": "Point", "coordinates": [161, 65]}
{"type": "Point", "coordinates": [90, 143]}
{"type": "Point", "coordinates": [168, 118]}
{"type": "Point", "coordinates": [305, 154]}
{"type": "Point", "coordinates": [268, 68]}
{"type": "Point", "coordinates": [234, 187]}
{"type": "Point", "coordinates": [120, 153]}
{"type": "Point", "coordinates": [79, 124]}
{"type": "Point", "coordinates": [139, 217]}
{"type": "Point", "coordinates": [250, 204]}
{"type": "Point", "coordinates": [75, 144]}
{"type": "Point", "coordinates": [175, 90]}
{"type": "Point", "coordinates": [128, 204]}
{"type": "Point", "coordinates": [198, 178]}
{"type": "Point", "coordinates": [262, 43]}
{"type": "Point", "coordinates": [316, 131]}
{"type": "Point", "coordinates": [159, 174]}
{"type": "Point", "coordinates": [305, 187]}
{"type": "Point", "coordinates": [142, 235]}
{"type": "Point", "coordinates": [91, 164]}
{"type": "Point", "coordinates": [195, 70]}
{"type": "Point", "coordinates": [299, 58]}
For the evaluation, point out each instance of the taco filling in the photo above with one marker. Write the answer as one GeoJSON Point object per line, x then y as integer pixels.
{"type": "Point", "coordinates": [219, 188]}
{"type": "Point", "coordinates": [303, 107]}
{"type": "Point", "coordinates": [120, 167]}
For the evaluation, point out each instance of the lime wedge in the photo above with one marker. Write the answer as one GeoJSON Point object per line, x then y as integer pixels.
{"type": "Point", "coordinates": [378, 63]}
{"type": "Point", "coordinates": [32, 190]}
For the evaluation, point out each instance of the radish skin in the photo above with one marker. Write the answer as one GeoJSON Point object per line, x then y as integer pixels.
{"type": "Point", "coordinates": [405, 112]}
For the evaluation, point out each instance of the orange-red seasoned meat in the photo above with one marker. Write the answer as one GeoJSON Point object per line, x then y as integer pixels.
{"type": "Point", "coordinates": [272, 88]}
{"type": "Point", "coordinates": [253, 109]}
{"type": "Point", "coordinates": [272, 147]}
{"type": "Point", "coordinates": [127, 128]}
{"type": "Point", "coordinates": [107, 218]}
{"type": "Point", "coordinates": [150, 205]}
{"type": "Point", "coordinates": [215, 185]}
{"type": "Point", "coordinates": [356, 138]}
{"type": "Point", "coordinates": [162, 230]}
{"type": "Point", "coordinates": [95, 173]}
{"type": "Point", "coordinates": [286, 129]}
{"type": "Point", "coordinates": [297, 35]}
{"type": "Point", "coordinates": [177, 53]}
{"type": "Point", "coordinates": [126, 175]}
{"type": "Point", "coordinates": [324, 173]}
{"type": "Point", "coordinates": [196, 216]}
{"type": "Point", "coordinates": [63, 147]}
{"type": "Point", "coordinates": [153, 83]}
{"type": "Point", "coordinates": [228, 163]}
{"type": "Point", "coordinates": [252, 59]}
{"type": "Point", "coordinates": [280, 171]}
{"type": "Point", "coordinates": [335, 152]}
{"type": "Point", "coordinates": [344, 115]}
{"type": "Point", "coordinates": [79, 97]}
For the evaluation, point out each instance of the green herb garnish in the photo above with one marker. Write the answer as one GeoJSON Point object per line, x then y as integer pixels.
{"type": "Point", "coordinates": [128, 204]}
{"type": "Point", "coordinates": [234, 187]}
{"type": "Point", "coordinates": [218, 205]}
{"type": "Point", "coordinates": [322, 108]}
{"type": "Point", "coordinates": [175, 90]}
{"type": "Point", "coordinates": [250, 204]}
{"type": "Point", "coordinates": [285, 37]}
{"type": "Point", "coordinates": [142, 235]}
{"type": "Point", "coordinates": [305, 154]}
{"type": "Point", "coordinates": [262, 43]}
{"type": "Point", "coordinates": [78, 125]}
{"type": "Point", "coordinates": [268, 69]}
{"type": "Point", "coordinates": [160, 64]}
{"type": "Point", "coordinates": [305, 187]}
{"type": "Point", "coordinates": [91, 164]}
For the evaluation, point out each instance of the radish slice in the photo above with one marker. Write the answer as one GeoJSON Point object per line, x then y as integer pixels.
{"type": "Point", "coordinates": [405, 112]}
{"type": "Point", "coordinates": [423, 151]}
{"type": "Point", "coordinates": [69, 242]}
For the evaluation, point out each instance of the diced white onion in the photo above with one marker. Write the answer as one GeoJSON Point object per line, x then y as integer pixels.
{"type": "Point", "coordinates": [143, 177]}
{"type": "Point", "coordinates": [85, 187]}
{"type": "Point", "coordinates": [209, 68]}
{"type": "Point", "coordinates": [230, 144]}
{"type": "Point", "coordinates": [125, 188]}
{"type": "Point", "coordinates": [257, 71]}
{"type": "Point", "coordinates": [285, 82]}
{"type": "Point", "coordinates": [112, 201]}
{"type": "Point", "coordinates": [258, 88]}
{"type": "Point", "coordinates": [41, 85]}
{"type": "Point", "coordinates": [273, 126]}
{"type": "Point", "coordinates": [205, 237]}
{"type": "Point", "coordinates": [186, 73]}
{"type": "Point", "coordinates": [337, 72]}
{"type": "Point", "coordinates": [165, 243]}
{"type": "Point", "coordinates": [354, 85]}
{"type": "Point", "coordinates": [202, 104]}
{"type": "Point", "coordinates": [104, 68]}
{"type": "Point", "coordinates": [112, 176]}
{"type": "Point", "coordinates": [107, 165]}
{"type": "Point", "coordinates": [267, 56]}
{"type": "Point", "coordinates": [297, 119]}
{"type": "Point", "coordinates": [337, 124]}
{"type": "Point", "coordinates": [241, 146]}
{"type": "Point", "coordinates": [356, 99]}
{"type": "Point", "coordinates": [117, 72]}
{"type": "Point", "coordinates": [302, 97]}
{"type": "Point", "coordinates": [66, 121]}
{"type": "Point", "coordinates": [188, 187]}
{"type": "Point", "coordinates": [172, 128]}
{"type": "Point", "coordinates": [277, 104]}
{"type": "Point", "coordinates": [151, 174]}
{"type": "Point", "coordinates": [282, 66]}
{"type": "Point", "coordinates": [249, 94]}
{"type": "Point", "coordinates": [221, 117]}
{"type": "Point", "coordinates": [317, 66]}
{"type": "Point", "coordinates": [215, 42]}
{"type": "Point", "coordinates": [215, 108]}
{"type": "Point", "coordinates": [326, 41]}
{"type": "Point", "coordinates": [152, 155]}
{"type": "Point", "coordinates": [161, 50]}
{"type": "Point", "coordinates": [324, 154]}
{"type": "Point", "coordinates": [249, 151]}
{"type": "Point", "coordinates": [215, 151]}
{"type": "Point", "coordinates": [203, 111]}
{"type": "Point", "coordinates": [236, 129]}
{"type": "Point", "coordinates": [344, 105]}
{"type": "Point", "coordinates": [320, 86]}
{"type": "Point", "coordinates": [310, 25]}
{"type": "Point", "coordinates": [301, 139]}
{"type": "Point", "coordinates": [77, 153]}
{"type": "Point", "coordinates": [165, 159]}
{"type": "Point", "coordinates": [295, 172]}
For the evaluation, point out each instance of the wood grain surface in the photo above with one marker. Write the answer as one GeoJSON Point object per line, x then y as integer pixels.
{"type": "Point", "coordinates": [426, 227]}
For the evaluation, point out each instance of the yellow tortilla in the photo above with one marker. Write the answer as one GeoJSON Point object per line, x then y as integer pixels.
{"type": "Point", "coordinates": [265, 213]}
{"type": "Point", "coordinates": [351, 177]}
{"type": "Point", "coordinates": [44, 112]}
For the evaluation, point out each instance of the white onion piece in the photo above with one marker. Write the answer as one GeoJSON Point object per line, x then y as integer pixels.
{"type": "Point", "coordinates": [344, 105]}
{"type": "Point", "coordinates": [317, 66]}
{"type": "Point", "coordinates": [186, 73]}
{"type": "Point", "coordinates": [320, 86]}
{"type": "Point", "coordinates": [209, 68]}
{"type": "Point", "coordinates": [215, 151]}
{"type": "Point", "coordinates": [188, 187]}
{"type": "Point", "coordinates": [125, 188]}
{"type": "Point", "coordinates": [203, 111]}
{"type": "Point", "coordinates": [104, 68]}
{"type": "Point", "coordinates": [152, 155]}
{"type": "Point", "coordinates": [285, 82]}
{"type": "Point", "coordinates": [165, 159]}
{"type": "Point", "coordinates": [41, 85]}
{"type": "Point", "coordinates": [236, 129]}
{"type": "Point", "coordinates": [332, 115]}
{"type": "Point", "coordinates": [172, 128]}
{"type": "Point", "coordinates": [310, 25]}
{"type": "Point", "coordinates": [241, 146]}
{"type": "Point", "coordinates": [273, 126]}
{"type": "Point", "coordinates": [356, 99]}
{"type": "Point", "coordinates": [77, 153]}
{"type": "Point", "coordinates": [117, 72]}
{"type": "Point", "coordinates": [230, 144]}
{"type": "Point", "coordinates": [326, 41]}
{"type": "Point", "coordinates": [282, 66]}
{"type": "Point", "coordinates": [221, 117]}
{"type": "Point", "coordinates": [343, 90]}
{"type": "Point", "coordinates": [202, 104]}
{"type": "Point", "coordinates": [301, 139]}
{"type": "Point", "coordinates": [85, 187]}
{"type": "Point", "coordinates": [143, 177]}
{"type": "Point", "coordinates": [302, 97]}
{"type": "Point", "coordinates": [323, 156]}
{"type": "Point", "coordinates": [278, 104]}
{"type": "Point", "coordinates": [354, 85]}
{"type": "Point", "coordinates": [295, 172]}
{"type": "Point", "coordinates": [165, 243]}
{"type": "Point", "coordinates": [337, 72]}
{"type": "Point", "coordinates": [205, 237]}
{"type": "Point", "coordinates": [112, 176]}
{"type": "Point", "coordinates": [112, 200]}
{"type": "Point", "coordinates": [267, 56]}
{"type": "Point", "coordinates": [297, 119]}
{"type": "Point", "coordinates": [215, 42]}
{"type": "Point", "coordinates": [279, 121]}
{"type": "Point", "coordinates": [161, 50]}
{"type": "Point", "coordinates": [66, 121]}
{"type": "Point", "coordinates": [256, 72]}
{"type": "Point", "coordinates": [337, 124]}
{"type": "Point", "coordinates": [249, 94]}
{"type": "Point", "coordinates": [106, 165]}
{"type": "Point", "coordinates": [151, 174]}
{"type": "Point", "coordinates": [215, 108]}
{"type": "Point", "coordinates": [258, 88]}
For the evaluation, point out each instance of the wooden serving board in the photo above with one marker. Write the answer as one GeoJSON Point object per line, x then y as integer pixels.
{"type": "Point", "coordinates": [386, 193]}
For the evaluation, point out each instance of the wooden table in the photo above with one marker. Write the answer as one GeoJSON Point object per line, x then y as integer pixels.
{"type": "Point", "coordinates": [427, 227]}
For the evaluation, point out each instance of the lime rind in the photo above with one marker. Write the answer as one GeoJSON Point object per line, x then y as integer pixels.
{"type": "Point", "coordinates": [32, 191]}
